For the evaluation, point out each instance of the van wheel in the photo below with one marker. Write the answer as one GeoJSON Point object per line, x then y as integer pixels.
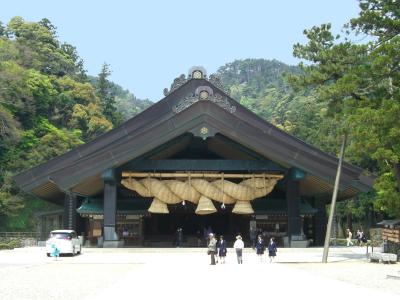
{"type": "Point", "coordinates": [48, 254]}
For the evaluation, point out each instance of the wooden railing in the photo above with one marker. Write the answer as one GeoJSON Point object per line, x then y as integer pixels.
{"type": "Point", "coordinates": [19, 234]}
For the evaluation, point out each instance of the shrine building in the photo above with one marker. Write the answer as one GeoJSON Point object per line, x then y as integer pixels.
{"type": "Point", "coordinates": [196, 160]}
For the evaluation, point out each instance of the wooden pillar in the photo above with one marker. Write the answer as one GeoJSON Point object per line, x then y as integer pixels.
{"type": "Point", "coordinates": [320, 221]}
{"type": "Point", "coordinates": [110, 206]}
{"type": "Point", "coordinates": [293, 203]}
{"type": "Point", "coordinates": [69, 211]}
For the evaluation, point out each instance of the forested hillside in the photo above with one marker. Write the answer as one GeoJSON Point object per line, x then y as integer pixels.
{"type": "Point", "coordinates": [48, 105]}
{"type": "Point", "coordinates": [261, 86]}
{"type": "Point", "coordinates": [341, 87]}
{"type": "Point", "coordinates": [126, 103]}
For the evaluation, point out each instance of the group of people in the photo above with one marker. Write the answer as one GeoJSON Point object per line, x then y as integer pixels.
{"type": "Point", "coordinates": [218, 249]}
{"type": "Point", "coordinates": [360, 236]}
{"type": "Point", "coordinates": [260, 248]}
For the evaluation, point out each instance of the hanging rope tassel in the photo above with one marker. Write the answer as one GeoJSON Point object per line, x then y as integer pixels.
{"type": "Point", "coordinates": [223, 201]}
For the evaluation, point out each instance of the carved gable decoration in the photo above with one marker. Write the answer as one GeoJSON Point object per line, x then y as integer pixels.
{"type": "Point", "coordinates": [215, 80]}
{"type": "Point", "coordinates": [196, 73]}
{"type": "Point", "coordinates": [178, 82]}
{"type": "Point", "coordinates": [204, 93]}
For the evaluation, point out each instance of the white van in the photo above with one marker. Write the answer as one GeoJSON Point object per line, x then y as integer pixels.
{"type": "Point", "coordinates": [66, 241]}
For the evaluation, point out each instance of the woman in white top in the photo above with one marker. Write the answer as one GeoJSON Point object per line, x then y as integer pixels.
{"type": "Point", "coordinates": [238, 246]}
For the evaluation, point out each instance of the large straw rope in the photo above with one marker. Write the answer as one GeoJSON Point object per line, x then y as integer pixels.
{"type": "Point", "coordinates": [137, 186]}
{"type": "Point", "coordinates": [262, 187]}
{"type": "Point", "coordinates": [158, 207]}
{"type": "Point", "coordinates": [160, 190]}
{"type": "Point", "coordinates": [174, 191]}
{"type": "Point", "coordinates": [184, 190]}
{"type": "Point", "coordinates": [237, 191]}
{"type": "Point", "coordinates": [210, 191]}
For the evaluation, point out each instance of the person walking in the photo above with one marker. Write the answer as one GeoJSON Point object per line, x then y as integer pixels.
{"type": "Point", "coordinates": [238, 246]}
{"type": "Point", "coordinates": [198, 234]}
{"type": "Point", "coordinates": [253, 236]}
{"type": "Point", "coordinates": [358, 237]}
{"type": "Point", "coordinates": [222, 249]}
{"type": "Point", "coordinates": [272, 250]}
{"type": "Point", "coordinates": [178, 237]}
{"type": "Point", "coordinates": [260, 247]}
{"type": "Point", "coordinates": [349, 236]}
{"type": "Point", "coordinates": [363, 238]}
{"type": "Point", "coordinates": [212, 248]}
{"type": "Point", "coordinates": [55, 252]}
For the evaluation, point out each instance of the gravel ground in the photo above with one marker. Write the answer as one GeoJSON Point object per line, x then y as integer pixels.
{"type": "Point", "coordinates": [361, 273]}
{"type": "Point", "coordinates": [183, 273]}
{"type": "Point", "coordinates": [56, 281]}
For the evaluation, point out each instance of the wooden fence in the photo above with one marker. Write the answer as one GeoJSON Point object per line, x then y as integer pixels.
{"type": "Point", "coordinates": [19, 235]}
{"type": "Point", "coordinates": [391, 234]}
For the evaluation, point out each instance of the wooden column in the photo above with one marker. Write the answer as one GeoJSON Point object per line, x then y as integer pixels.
{"type": "Point", "coordinates": [320, 221]}
{"type": "Point", "coordinates": [110, 206]}
{"type": "Point", "coordinates": [293, 203]}
{"type": "Point", "coordinates": [69, 219]}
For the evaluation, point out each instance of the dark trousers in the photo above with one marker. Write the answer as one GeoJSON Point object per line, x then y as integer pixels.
{"type": "Point", "coordinates": [239, 256]}
{"type": "Point", "coordinates": [212, 257]}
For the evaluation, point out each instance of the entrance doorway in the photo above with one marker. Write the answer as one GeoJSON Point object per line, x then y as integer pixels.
{"type": "Point", "coordinates": [160, 230]}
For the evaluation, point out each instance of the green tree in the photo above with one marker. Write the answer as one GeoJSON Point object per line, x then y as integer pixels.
{"type": "Point", "coordinates": [41, 50]}
{"type": "Point", "coordinates": [47, 107]}
{"type": "Point", "coordinates": [2, 30]}
{"type": "Point", "coordinates": [360, 83]}
{"type": "Point", "coordinates": [9, 138]}
{"type": "Point", "coordinates": [107, 97]}
{"type": "Point", "coordinates": [11, 201]}
{"type": "Point", "coordinates": [90, 120]}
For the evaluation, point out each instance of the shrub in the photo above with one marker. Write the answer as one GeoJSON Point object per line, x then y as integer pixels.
{"type": "Point", "coordinates": [5, 246]}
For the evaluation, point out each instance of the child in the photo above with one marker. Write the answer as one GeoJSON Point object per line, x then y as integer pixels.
{"type": "Point", "coordinates": [222, 249]}
{"type": "Point", "coordinates": [55, 252]}
{"type": "Point", "coordinates": [272, 250]}
{"type": "Point", "coordinates": [260, 247]}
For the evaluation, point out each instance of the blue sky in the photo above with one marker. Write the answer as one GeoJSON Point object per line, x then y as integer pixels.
{"type": "Point", "coordinates": [149, 43]}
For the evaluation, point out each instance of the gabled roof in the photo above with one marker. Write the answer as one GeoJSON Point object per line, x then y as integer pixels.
{"type": "Point", "coordinates": [182, 111]}
{"type": "Point", "coordinates": [389, 222]}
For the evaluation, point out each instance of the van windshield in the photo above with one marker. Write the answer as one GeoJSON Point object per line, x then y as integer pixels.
{"type": "Point", "coordinates": [60, 235]}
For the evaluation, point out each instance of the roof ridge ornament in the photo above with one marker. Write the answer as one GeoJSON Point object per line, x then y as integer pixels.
{"type": "Point", "coordinates": [196, 73]}
{"type": "Point", "coordinates": [217, 81]}
{"type": "Point", "coordinates": [204, 93]}
{"type": "Point", "coordinates": [178, 82]}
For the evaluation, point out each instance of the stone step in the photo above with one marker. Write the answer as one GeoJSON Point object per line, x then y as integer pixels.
{"type": "Point", "coordinates": [393, 276]}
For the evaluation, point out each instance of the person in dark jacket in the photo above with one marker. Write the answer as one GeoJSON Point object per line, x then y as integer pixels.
{"type": "Point", "coordinates": [179, 237]}
{"type": "Point", "coordinates": [260, 247]}
{"type": "Point", "coordinates": [253, 236]}
{"type": "Point", "coordinates": [222, 249]}
{"type": "Point", "coordinates": [272, 249]}
{"type": "Point", "coordinates": [212, 248]}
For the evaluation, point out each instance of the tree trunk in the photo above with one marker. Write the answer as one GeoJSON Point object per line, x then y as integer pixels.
{"type": "Point", "coordinates": [349, 220]}
{"type": "Point", "coordinates": [397, 173]}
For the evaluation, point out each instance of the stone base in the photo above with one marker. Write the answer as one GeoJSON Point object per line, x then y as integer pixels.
{"type": "Point", "coordinates": [299, 244]}
{"type": "Point", "coordinates": [113, 244]}
{"type": "Point", "coordinates": [382, 257]}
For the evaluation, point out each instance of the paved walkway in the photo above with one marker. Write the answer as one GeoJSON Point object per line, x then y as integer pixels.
{"type": "Point", "coordinates": [186, 274]}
